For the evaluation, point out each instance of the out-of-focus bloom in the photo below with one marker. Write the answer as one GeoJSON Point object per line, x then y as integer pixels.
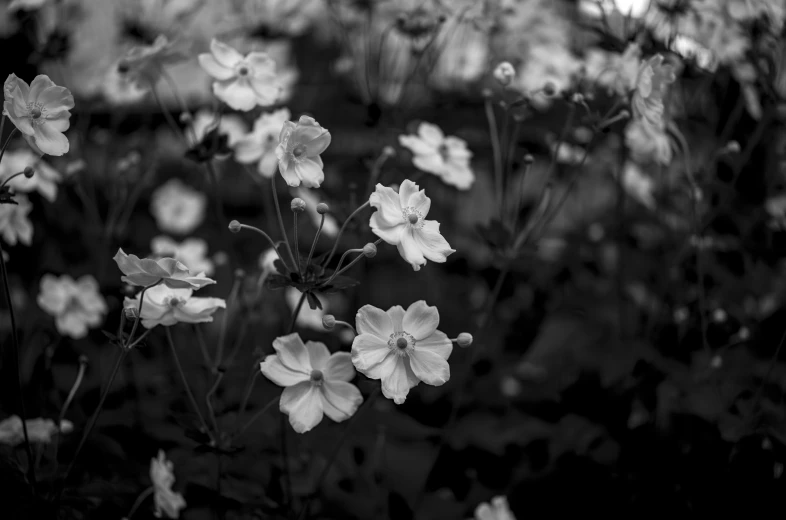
{"type": "Point", "coordinates": [497, 510]}
{"type": "Point", "coordinates": [40, 111]}
{"type": "Point", "coordinates": [400, 220]}
{"type": "Point", "coordinates": [38, 430]}
{"type": "Point", "coordinates": [259, 145]}
{"type": "Point", "coordinates": [298, 152]}
{"type": "Point", "coordinates": [167, 306]}
{"type": "Point", "coordinates": [119, 88]}
{"type": "Point", "coordinates": [504, 73]}
{"type": "Point", "coordinates": [44, 181]}
{"type": "Point", "coordinates": [776, 208]}
{"type": "Point", "coordinates": [464, 54]}
{"type": "Point", "coordinates": [638, 185]}
{"type": "Point", "coordinates": [77, 306]}
{"type": "Point", "coordinates": [46, 15]}
{"type": "Point", "coordinates": [204, 121]}
{"type": "Point", "coordinates": [616, 71]}
{"type": "Point", "coordinates": [546, 64]}
{"type": "Point", "coordinates": [162, 474]}
{"type": "Point", "coordinates": [242, 82]}
{"type": "Point", "coordinates": [330, 227]}
{"type": "Point", "coordinates": [445, 157]}
{"type": "Point", "coordinates": [192, 252]}
{"type": "Point", "coordinates": [652, 83]}
{"type": "Point", "coordinates": [177, 207]}
{"type": "Point", "coordinates": [401, 348]}
{"type": "Point", "coordinates": [144, 64]}
{"type": "Point", "coordinates": [277, 17]}
{"type": "Point", "coordinates": [170, 272]}
{"type": "Point", "coordinates": [14, 224]}
{"type": "Point", "coordinates": [316, 381]}
{"type": "Point", "coordinates": [648, 142]}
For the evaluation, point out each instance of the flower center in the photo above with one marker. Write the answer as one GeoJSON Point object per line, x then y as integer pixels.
{"type": "Point", "coordinates": [243, 71]}
{"type": "Point", "coordinates": [443, 152]}
{"type": "Point", "coordinates": [413, 216]}
{"type": "Point", "coordinates": [35, 111]}
{"type": "Point", "coordinates": [175, 302]}
{"type": "Point", "coordinates": [317, 377]}
{"type": "Point", "coordinates": [401, 343]}
{"type": "Point", "coordinates": [299, 150]}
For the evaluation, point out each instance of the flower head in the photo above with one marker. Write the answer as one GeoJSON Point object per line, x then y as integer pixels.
{"type": "Point", "coordinates": [170, 272]}
{"type": "Point", "coordinates": [242, 82]}
{"type": "Point", "coordinates": [402, 348]}
{"type": "Point", "coordinates": [400, 220]}
{"type": "Point", "coordinates": [38, 430]}
{"type": "Point", "coordinates": [167, 306]}
{"type": "Point", "coordinates": [504, 73]}
{"type": "Point", "coordinates": [40, 111]}
{"type": "Point", "coordinates": [76, 305]}
{"type": "Point", "coordinates": [316, 381]}
{"type": "Point", "coordinates": [652, 82]}
{"type": "Point", "coordinates": [298, 150]}
{"type": "Point", "coordinates": [162, 474]}
{"type": "Point", "coordinates": [14, 224]}
{"type": "Point", "coordinates": [648, 142]}
{"type": "Point", "coordinates": [259, 145]}
{"type": "Point", "coordinates": [177, 207]}
{"type": "Point", "coordinates": [497, 510]}
{"type": "Point", "coordinates": [230, 125]}
{"type": "Point", "coordinates": [192, 252]}
{"type": "Point", "coordinates": [143, 65]}
{"type": "Point", "coordinates": [44, 180]}
{"type": "Point", "coordinates": [446, 157]}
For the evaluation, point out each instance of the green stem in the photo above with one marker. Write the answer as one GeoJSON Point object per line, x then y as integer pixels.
{"type": "Point", "coordinates": [341, 232]}
{"type": "Point", "coordinates": [7, 141]}
{"type": "Point", "coordinates": [209, 404]}
{"type": "Point", "coordinates": [138, 502]}
{"type": "Point", "coordinates": [296, 312]}
{"type": "Point", "coordinates": [495, 148]}
{"type": "Point", "coordinates": [257, 415]}
{"type": "Point", "coordinates": [297, 245]}
{"type": "Point", "coordinates": [314, 243]}
{"type": "Point", "coordinates": [280, 218]}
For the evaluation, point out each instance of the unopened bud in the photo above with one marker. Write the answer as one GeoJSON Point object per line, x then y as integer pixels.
{"type": "Point", "coordinates": [29, 172]}
{"type": "Point", "coordinates": [733, 147]}
{"type": "Point", "coordinates": [487, 93]}
{"type": "Point", "coordinates": [549, 89]}
{"type": "Point", "coordinates": [234, 226]}
{"type": "Point", "coordinates": [389, 151]}
{"type": "Point", "coordinates": [370, 250]}
{"type": "Point", "coordinates": [329, 321]}
{"type": "Point", "coordinates": [298, 205]}
{"type": "Point", "coordinates": [504, 73]}
{"type": "Point", "coordinates": [239, 274]}
{"type": "Point", "coordinates": [577, 98]}
{"type": "Point", "coordinates": [528, 159]}
{"type": "Point", "coordinates": [464, 339]}
{"type": "Point", "coordinates": [185, 118]}
{"type": "Point", "coordinates": [624, 114]}
{"type": "Point", "coordinates": [322, 208]}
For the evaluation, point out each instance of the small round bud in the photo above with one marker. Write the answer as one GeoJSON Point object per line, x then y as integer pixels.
{"type": "Point", "coordinates": [464, 339]}
{"type": "Point", "coordinates": [186, 118]}
{"type": "Point", "coordinates": [733, 147]}
{"type": "Point", "coordinates": [370, 250]}
{"type": "Point", "coordinates": [128, 290]}
{"type": "Point", "coordinates": [577, 98]}
{"type": "Point", "coordinates": [234, 226]}
{"type": "Point", "coordinates": [504, 73]}
{"type": "Point", "coordinates": [716, 362]}
{"type": "Point", "coordinates": [322, 208]}
{"type": "Point", "coordinates": [83, 360]}
{"type": "Point", "coordinates": [298, 205]}
{"type": "Point", "coordinates": [624, 114]}
{"type": "Point", "coordinates": [328, 321]}
{"type": "Point", "coordinates": [719, 316]}
{"type": "Point", "coordinates": [549, 89]}
{"type": "Point", "coordinates": [487, 93]}
{"type": "Point", "coordinates": [529, 159]}
{"type": "Point", "coordinates": [239, 274]}
{"type": "Point", "coordinates": [389, 151]}
{"type": "Point", "coordinates": [29, 172]}
{"type": "Point", "coordinates": [744, 333]}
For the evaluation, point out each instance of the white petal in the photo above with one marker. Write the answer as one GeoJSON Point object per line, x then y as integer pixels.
{"type": "Point", "coordinates": [318, 354]}
{"type": "Point", "coordinates": [437, 343]}
{"type": "Point", "coordinates": [224, 54]}
{"type": "Point", "coordinates": [303, 403]}
{"type": "Point", "coordinates": [399, 380]}
{"type": "Point", "coordinates": [396, 314]}
{"type": "Point", "coordinates": [248, 149]}
{"type": "Point", "coordinates": [417, 145]}
{"type": "Point", "coordinates": [214, 68]}
{"type": "Point", "coordinates": [340, 400]}
{"type": "Point", "coordinates": [388, 205]}
{"type": "Point", "coordinates": [421, 320]}
{"type": "Point", "coordinates": [409, 250]}
{"type": "Point", "coordinates": [431, 134]}
{"type": "Point", "coordinates": [429, 367]}
{"type": "Point", "coordinates": [432, 163]}
{"type": "Point", "coordinates": [370, 356]}
{"type": "Point", "coordinates": [420, 202]}
{"type": "Point", "coordinates": [273, 369]}
{"type": "Point", "coordinates": [460, 176]}
{"type": "Point", "coordinates": [431, 243]}
{"type": "Point", "coordinates": [405, 191]}
{"type": "Point", "coordinates": [292, 352]}
{"type": "Point", "coordinates": [238, 94]}
{"type": "Point", "coordinates": [310, 172]}
{"type": "Point", "coordinates": [339, 367]}
{"type": "Point", "coordinates": [390, 234]}
{"type": "Point", "coordinates": [371, 320]}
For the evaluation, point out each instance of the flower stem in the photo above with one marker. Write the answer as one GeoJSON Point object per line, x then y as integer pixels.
{"type": "Point", "coordinates": [222, 335]}
{"type": "Point", "coordinates": [257, 416]}
{"type": "Point", "coordinates": [314, 243]}
{"type": "Point", "coordinates": [138, 502]}
{"type": "Point", "coordinates": [495, 148]}
{"type": "Point", "coordinates": [139, 313]}
{"type": "Point", "coordinates": [297, 245]}
{"type": "Point", "coordinates": [7, 141]}
{"type": "Point", "coordinates": [296, 313]}
{"type": "Point", "coordinates": [209, 404]}
{"type": "Point", "coordinates": [274, 194]}
{"type": "Point", "coordinates": [341, 232]}
{"type": "Point", "coordinates": [349, 265]}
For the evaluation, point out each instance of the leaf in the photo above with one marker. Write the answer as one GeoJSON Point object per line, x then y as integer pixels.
{"type": "Point", "coordinates": [281, 267]}
{"type": "Point", "coordinates": [340, 283]}
{"type": "Point", "coordinates": [313, 301]}
{"type": "Point", "coordinates": [276, 281]}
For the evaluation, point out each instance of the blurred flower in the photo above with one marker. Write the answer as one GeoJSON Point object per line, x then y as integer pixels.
{"type": "Point", "coordinates": [44, 180]}
{"type": "Point", "coordinates": [118, 88]}
{"type": "Point", "coordinates": [14, 224]}
{"type": "Point", "coordinates": [504, 73]}
{"type": "Point", "coordinates": [45, 15]}
{"type": "Point", "coordinates": [652, 82]}
{"type": "Point", "coordinates": [775, 207]}
{"type": "Point", "coordinates": [446, 157]}
{"type": "Point", "coordinates": [638, 185]}
{"type": "Point", "coordinates": [400, 220]}
{"type": "Point", "coordinates": [330, 227]}
{"type": "Point", "coordinates": [40, 112]}
{"type": "Point", "coordinates": [616, 71]}
{"type": "Point", "coordinates": [278, 17]}
{"type": "Point", "coordinates": [146, 272]}
{"type": "Point", "coordinates": [162, 474]}
{"type": "Point", "coordinates": [230, 125]}
{"type": "Point", "coordinates": [497, 510]}
{"type": "Point", "coordinates": [38, 430]}
{"type": "Point", "coordinates": [464, 54]}
{"type": "Point", "coordinates": [143, 65]}
{"type": "Point", "coordinates": [298, 150]}
{"type": "Point", "coordinates": [177, 207]}
{"type": "Point", "coordinates": [192, 252]}
{"type": "Point", "coordinates": [242, 82]}
{"type": "Point", "coordinates": [259, 145]}
{"type": "Point", "coordinates": [401, 348]}
{"type": "Point", "coordinates": [648, 142]}
{"type": "Point", "coordinates": [167, 306]}
{"type": "Point", "coordinates": [316, 381]}
{"type": "Point", "coordinates": [76, 305]}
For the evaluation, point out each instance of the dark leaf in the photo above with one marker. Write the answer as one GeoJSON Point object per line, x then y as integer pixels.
{"type": "Point", "coordinates": [313, 301]}
{"type": "Point", "coordinates": [276, 281]}
{"type": "Point", "coordinates": [340, 283]}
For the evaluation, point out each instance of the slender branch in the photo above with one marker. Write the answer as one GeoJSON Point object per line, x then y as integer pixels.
{"type": "Point", "coordinates": [7, 141]}
{"type": "Point", "coordinates": [316, 239]}
{"type": "Point", "coordinates": [296, 313]}
{"type": "Point", "coordinates": [341, 232]}
{"type": "Point", "coordinates": [280, 218]}
{"type": "Point", "coordinates": [495, 148]}
{"type": "Point", "coordinates": [138, 502]}
{"type": "Point", "coordinates": [257, 415]}
{"type": "Point", "coordinates": [297, 245]}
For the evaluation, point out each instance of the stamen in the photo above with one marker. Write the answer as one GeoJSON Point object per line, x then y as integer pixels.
{"type": "Point", "coordinates": [299, 150]}
{"type": "Point", "coordinates": [401, 342]}
{"type": "Point", "coordinates": [317, 377]}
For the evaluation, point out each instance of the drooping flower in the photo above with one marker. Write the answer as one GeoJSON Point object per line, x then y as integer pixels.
{"type": "Point", "coordinates": [177, 207]}
{"type": "Point", "coordinates": [146, 272]}
{"type": "Point", "coordinates": [44, 180]}
{"type": "Point", "coordinates": [298, 152]}
{"type": "Point", "coordinates": [401, 348]}
{"type": "Point", "coordinates": [400, 220]}
{"type": "Point", "coordinates": [242, 82]}
{"type": "Point", "coordinates": [192, 252]}
{"type": "Point", "coordinates": [259, 145]}
{"type": "Point", "coordinates": [167, 306]}
{"type": "Point", "coordinates": [162, 474]}
{"type": "Point", "coordinates": [652, 83]}
{"type": "Point", "coordinates": [144, 65]}
{"type": "Point", "coordinates": [445, 157]}
{"type": "Point", "coordinates": [77, 306]}
{"type": "Point", "coordinates": [497, 510]}
{"type": "Point", "coordinates": [40, 111]}
{"type": "Point", "coordinates": [14, 224]}
{"type": "Point", "coordinates": [38, 430]}
{"type": "Point", "coordinates": [316, 381]}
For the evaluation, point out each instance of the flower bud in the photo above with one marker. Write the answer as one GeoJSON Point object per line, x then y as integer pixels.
{"type": "Point", "coordinates": [234, 226]}
{"type": "Point", "coordinates": [529, 159]}
{"type": "Point", "coordinates": [370, 250]}
{"type": "Point", "coordinates": [186, 118]}
{"type": "Point", "coordinates": [549, 89]}
{"type": "Point", "coordinates": [389, 151]}
{"type": "Point", "coordinates": [733, 147]}
{"type": "Point", "coordinates": [577, 98]}
{"type": "Point", "coordinates": [239, 274]}
{"type": "Point", "coordinates": [504, 73]}
{"type": "Point", "coordinates": [464, 339]}
{"type": "Point", "coordinates": [329, 321]}
{"type": "Point", "coordinates": [298, 205]}
{"type": "Point", "coordinates": [322, 208]}
{"type": "Point", "coordinates": [29, 172]}
{"type": "Point", "coordinates": [487, 93]}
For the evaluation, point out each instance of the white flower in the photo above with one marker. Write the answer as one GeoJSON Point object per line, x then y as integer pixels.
{"type": "Point", "coordinates": [298, 152]}
{"type": "Point", "coordinates": [230, 125]}
{"type": "Point", "coordinates": [38, 430]}
{"type": "Point", "coordinates": [638, 185]}
{"type": "Point", "coordinates": [259, 145]}
{"type": "Point", "coordinates": [166, 306]}
{"type": "Point", "coordinates": [400, 220]}
{"type": "Point", "coordinates": [446, 157]}
{"type": "Point", "coordinates": [497, 510]}
{"type": "Point", "coordinates": [162, 474]}
{"type": "Point", "coordinates": [648, 142]}
{"type": "Point", "coordinates": [316, 381]}
{"type": "Point", "coordinates": [242, 82]}
{"type": "Point", "coordinates": [504, 73]}
{"type": "Point", "coordinates": [192, 252]}
{"type": "Point", "coordinates": [464, 55]}
{"type": "Point", "coordinates": [401, 348]}
{"type": "Point", "coordinates": [14, 224]}
{"type": "Point", "coordinates": [44, 180]}
{"type": "Point", "coordinates": [177, 207]}
{"type": "Point", "coordinates": [76, 305]}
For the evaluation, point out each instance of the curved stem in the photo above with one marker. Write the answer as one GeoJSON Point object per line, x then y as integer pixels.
{"type": "Point", "coordinates": [314, 243]}
{"type": "Point", "coordinates": [349, 265]}
{"type": "Point", "coordinates": [296, 312]}
{"type": "Point", "coordinates": [209, 404]}
{"type": "Point", "coordinates": [495, 148]}
{"type": "Point", "coordinates": [222, 335]}
{"type": "Point", "coordinates": [257, 415]}
{"type": "Point", "coordinates": [249, 389]}
{"type": "Point", "coordinates": [267, 237]}
{"type": "Point", "coordinates": [138, 502]}
{"type": "Point", "coordinates": [274, 194]}
{"type": "Point", "coordinates": [77, 383]}
{"type": "Point", "coordinates": [297, 245]}
{"type": "Point", "coordinates": [7, 141]}
{"type": "Point", "coordinates": [138, 316]}
{"type": "Point", "coordinates": [341, 232]}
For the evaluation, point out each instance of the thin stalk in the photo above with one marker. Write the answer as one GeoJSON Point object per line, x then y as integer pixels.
{"type": "Point", "coordinates": [225, 319]}
{"type": "Point", "coordinates": [169, 119]}
{"type": "Point", "coordinates": [249, 389]}
{"type": "Point", "coordinates": [138, 502]}
{"type": "Point", "coordinates": [202, 347]}
{"type": "Point", "coordinates": [349, 265]}
{"type": "Point", "coordinates": [495, 148]}
{"type": "Point", "coordinates": [265, 235]}
{"type": "Point", "coordinates": [209, 404]}
{"type": "Point", "coordinates": [296, 313]}
{"type": "Point", "coordinates": [7, 141]}
{"type": "Point", "coordinates": [341, 232]}
{"type": "Point", "coordinates": [316, 239]}
{"type": "Point", "coordinates": [297, 245]}
{"type": "Point", "coordinates": [256, 416]}
{"type": "Point", "coordinates": [280, 218]}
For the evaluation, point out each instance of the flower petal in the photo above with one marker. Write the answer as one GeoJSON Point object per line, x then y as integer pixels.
{"type": "Point", "coordinates": [420, 202]}
{"type": "Point", "coordinates": [210, 65]}
{"type": "Point", "coordinates": [405, 191]}
{"type": "Point", "coordinates": [417, 145]}
{"type": "Point", "coordinates": [287, 170]}
{"type": "Point", "coordinates": [431, 243]}
{"type": "Point", "coordinates": [371, 320]}
{"type": "Point", "coordinates": [310, 172]}
{"type": "Point", "coordinates": [248, 149]}
{"type": "Point", "coordinates": [421, 320]}
{"type": "Point", "coordinates": [306, 130]}
{"type": "Point", "coordinates": [431, 163]}
{"type": "Point", "coordinates": [431, 134]}
{"type": "Point", "coordinates": [292, 352]}
{"type": "Point", "coordinates": [199, 310]}
{"type": "Point", "coordinates": [340, 400]}
{"type": "Point", "coordinates": [318, 355]}
{"type": "Point", "coordinates": [388, 205]}
{"type": "Point", "coordinates": [437, 343]}
{"type": "Point", "coordinates": [429, 367]}
{"type": "Point", "coordinates": [273, 369]}
{"type": "Point", "coordinates": [319, 144]}
{"type": "Point", "coordinates": [266, 90]}
{"type": "Point", "coordinates": [238, 94]}
{"type": "Point", "coordinates": [39, 84]}
{"type": "Point", "coordinates": [56, 99]}
{"type": "Point", "coordinates": [59, 122]}
{"type": "Point", "coordinates": [409, 250]}
{"type": "Point", "coordinates": [50, 141]}
{"type": "Point", "coordinates": [224, 54]}
{"type": "Point", "coordinates": [390, 234]}
{"type": "Point", "coordinates": [370, 356]}
{"type": "Point", "coordinates": [399, 380]}
{"type": "Point", "coordinates": [396, 314]}
{"type": "Point", "coordinates": [303, 403]}
{"type": "Point", "coordinates": [339, 367]}
{"type": "Point", "coordinates": [262, 64]}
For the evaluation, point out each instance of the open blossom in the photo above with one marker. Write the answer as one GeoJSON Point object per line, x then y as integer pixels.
{"type": "Point", "coordinates": [400, 220]}
{"type": "Point", "coordinates": [316, 381]}
{"type": "Point", "coordinates": [192, 252]}
{"type": "Point", "coordinates": [259, 145]}
{"type": "Point", "coordinates": [40, 111]}
{"type": "Point", "coordinates": [242, 82]}
{"type": "Point", "coordinates": [497, 510]}
{"type": "Point", "coordinates": [204, 121]}
{"type": "Point", "coordinates": [298, 152]}
{"type": "Point", "coordinates": [146, 272]}
{"type": "Point", "coordinates": [77, 306]}
{"type": "Point", "coordinates": [445, 157]}
{"type": "Point", "coordinates": [38, 430]}
{"type": "Point", "coordinates": [166, 306]}
{"type": "Point", "coordinates": [44, 180]}
{"type": "Point", "coordinates": [162, 474]}
{"type": "Point", "coordinates": [652, 83]}
{"type": "Point", "coordinates": [14, 224]}
{"type": "Point", "coordinates": [401, 348]}
{"type": "Point", "coordinates": [143, 65]}
{"type": "Point", "coordinates": [648, 142]}
{"type": "Point", "coordinates": [177, 207]}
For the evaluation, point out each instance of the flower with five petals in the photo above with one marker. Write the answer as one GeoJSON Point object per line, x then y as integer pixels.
{"type": "Point", "coordinates": [166, 306]}
{"type": "Point", "coordinates": [298, 150]}
{"type": "Point", "coordinates": [445, 157]}
{"type": "Point", "coordinates": [259, 145]}
{"type": "Point", "coordinates": [147, 272]}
